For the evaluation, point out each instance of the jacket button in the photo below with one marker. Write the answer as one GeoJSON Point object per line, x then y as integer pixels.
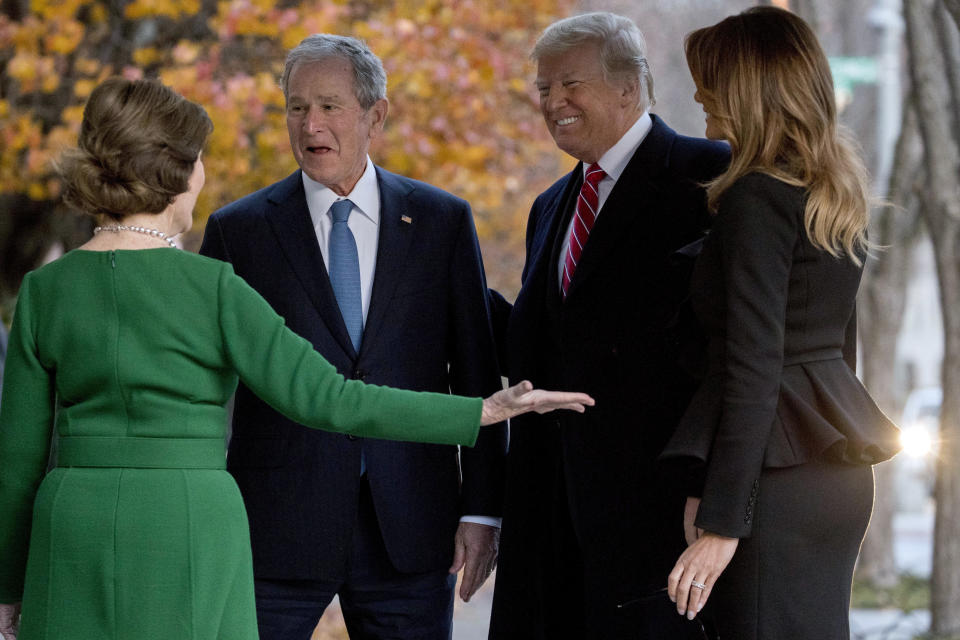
{"type": "Point", "coordinates": [351, 437]}
{"type": "Point", "coordinates": [359, 374]}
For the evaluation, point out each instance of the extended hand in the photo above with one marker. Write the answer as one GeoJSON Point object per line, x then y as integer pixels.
{"type": "Point", "coordinates": [522, 397]}
{"type": "Point", "coordinates": [10, 620]}
{"type": "Point", "coordinates": [697, 570]}
{"type": "Point", "coordinates": [475, 551]}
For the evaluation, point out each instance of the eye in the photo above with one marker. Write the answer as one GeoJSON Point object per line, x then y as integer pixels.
{"type": "Point", "coordinates": [296, 108]}
{"type": "Point", "coordinates": [572, 84]}
{"type": "Point", "coordinates": [543, 91]}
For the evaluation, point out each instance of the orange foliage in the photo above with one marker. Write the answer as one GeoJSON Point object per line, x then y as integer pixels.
{"type": "Point", "coordinates": [463, 110]}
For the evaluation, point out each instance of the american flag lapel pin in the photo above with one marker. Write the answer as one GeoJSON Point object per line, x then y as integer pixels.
{"type": "Point", "coordinates": [406, 219]}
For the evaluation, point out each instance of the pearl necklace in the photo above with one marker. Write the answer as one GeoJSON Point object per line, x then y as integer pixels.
{"type": "Point", "coordinates": [156, 233]}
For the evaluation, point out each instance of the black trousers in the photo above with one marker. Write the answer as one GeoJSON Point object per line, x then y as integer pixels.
{"type": "Point", "coordinates": [577, 604]}
{"type": "Point", "coordinates": [792, 577]}
{"type": "Point", "coordinates": [378, 602]}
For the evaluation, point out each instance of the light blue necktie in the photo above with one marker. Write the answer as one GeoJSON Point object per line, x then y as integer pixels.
{"type": "Point", "coordinates": [345, 271]}
{"type": "Point", "coordinates": [345, 278]}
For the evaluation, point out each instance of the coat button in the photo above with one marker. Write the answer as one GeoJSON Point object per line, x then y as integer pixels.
{"type": "Point", "coordinates": [359, 374]}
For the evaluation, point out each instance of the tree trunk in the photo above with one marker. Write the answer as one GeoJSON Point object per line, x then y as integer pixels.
{"type": "Point", "coordinates": [953, 6]}
{"type": "Point", "coordinates": [935, 106]}
{"type": "Point", "coordinates": [881, 308]}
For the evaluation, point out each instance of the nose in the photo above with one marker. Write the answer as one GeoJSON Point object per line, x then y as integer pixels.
{"type": "Point", "coordinates": [314, 120]}
{"type": "Point", "coordinates": [556, 97]}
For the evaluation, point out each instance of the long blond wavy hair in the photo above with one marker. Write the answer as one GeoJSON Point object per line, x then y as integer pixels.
{"type": "Point", "coordinates": [764, 78]}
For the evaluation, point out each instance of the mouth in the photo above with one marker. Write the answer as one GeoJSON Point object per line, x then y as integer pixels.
{"type": "Point", "coordinates": [567, 121]}
{"type": "Point", "coordinates": [319, 150]}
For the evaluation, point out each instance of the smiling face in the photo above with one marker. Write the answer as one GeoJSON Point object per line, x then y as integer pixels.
{"type": "Point", "coordinates": [584, 113]}
{"type": "Point", "coordinates": [330, 132]}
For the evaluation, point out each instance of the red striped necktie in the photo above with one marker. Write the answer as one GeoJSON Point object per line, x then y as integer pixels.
{"type": "Point", "coordinates": [587, 205]}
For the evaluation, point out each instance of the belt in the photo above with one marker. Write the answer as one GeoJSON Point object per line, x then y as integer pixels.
{"type": "Point", "coordinates": [138, 452]}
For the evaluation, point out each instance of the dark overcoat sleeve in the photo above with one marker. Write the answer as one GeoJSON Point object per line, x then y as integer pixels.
{"type": "Point", "coordinates": [756, 235]}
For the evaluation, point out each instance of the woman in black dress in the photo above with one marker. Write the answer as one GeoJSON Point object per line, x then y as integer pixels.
{"type": "Point", "coordinates": [781, 432]}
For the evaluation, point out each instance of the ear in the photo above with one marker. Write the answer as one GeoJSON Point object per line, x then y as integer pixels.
{"type": "Point", "coordinates": [630, 92]}
{"type": "Point", "coordinates": [378, 116]}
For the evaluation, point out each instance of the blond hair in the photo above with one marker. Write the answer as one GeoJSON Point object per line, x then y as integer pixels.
{"type": "Point", "coordinates": [765, 79]}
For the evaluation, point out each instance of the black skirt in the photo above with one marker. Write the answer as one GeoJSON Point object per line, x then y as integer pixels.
{"type": "Point", "coordinates": [792, 577]}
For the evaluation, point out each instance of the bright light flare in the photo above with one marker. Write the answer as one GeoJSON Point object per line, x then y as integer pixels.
{"type": "Point", "coordinates": [917, 442]}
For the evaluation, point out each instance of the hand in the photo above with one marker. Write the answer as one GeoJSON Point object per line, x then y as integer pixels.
{"type": "Point", "coordinates": [522, 397]}
{"type": "Point", "coordinates": [691, 531]}
{"type": "Point", "coordinates": [10, 620]}
{"type": "Point", "coordinates": [475, 551]}
{"type": "Point", "coordinates": [702, 562]}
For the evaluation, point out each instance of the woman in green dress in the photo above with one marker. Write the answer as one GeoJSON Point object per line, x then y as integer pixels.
{"type": "Point", "coordinates": [123, 354]}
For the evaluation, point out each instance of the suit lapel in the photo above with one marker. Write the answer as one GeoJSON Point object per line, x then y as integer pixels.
{"type": "Point", "coordinates": [635, 192]}
{"type": "Point", "coordinates": [558, 231]}
{"type": "Point", "coordinates": [293, 228]}
{"type": "Point", "coordinates": [398, 224]}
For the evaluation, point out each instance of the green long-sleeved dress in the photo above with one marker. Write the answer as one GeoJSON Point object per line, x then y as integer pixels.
{"type": "Point", "coordinates": [124, 360]}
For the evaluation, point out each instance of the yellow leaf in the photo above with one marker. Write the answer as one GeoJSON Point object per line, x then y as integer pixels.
{"type": "Point", "coordinates": [65, 37]}
{"type": "Point", "coordinates": [87, 66]}
{"type": "Point", "coordinates": [36, 191]}
{"type": "Point", "coordinates": [50, 83]}
{"type": "Point", "coordinates": [83, 87]}
{"type": "Point", "coordinates": [22, 67]}
{"type": "Point", "coordinates": [146, 56]}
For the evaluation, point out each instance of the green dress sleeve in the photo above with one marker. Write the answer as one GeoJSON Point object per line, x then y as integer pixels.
{"type": "Point", "coordinates": [26, 422]}
{"type": "Point", "coordinates": [287, 372]}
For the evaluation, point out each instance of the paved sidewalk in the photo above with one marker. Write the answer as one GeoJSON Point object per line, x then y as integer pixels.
{"type": "Point", "coordinates": [471, 620]}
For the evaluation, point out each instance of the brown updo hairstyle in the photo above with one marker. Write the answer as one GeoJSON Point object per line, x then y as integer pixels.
{"type": "Point", "coordinates": [138, 144]}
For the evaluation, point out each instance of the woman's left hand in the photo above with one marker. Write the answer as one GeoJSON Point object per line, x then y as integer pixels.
{"type": "Point", "coordinates": [697, 570]}
{"type": "Point", "coordinates": [522, 397]}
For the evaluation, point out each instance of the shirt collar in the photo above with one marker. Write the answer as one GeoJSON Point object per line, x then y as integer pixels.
{"type": "Point", "coordinates": [617, 157]}
{"type": "Point", "coordinates": [365, 195]}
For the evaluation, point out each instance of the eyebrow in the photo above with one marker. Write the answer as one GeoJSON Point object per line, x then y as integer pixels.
{"type": "Point", "coordinates": [323, 98]}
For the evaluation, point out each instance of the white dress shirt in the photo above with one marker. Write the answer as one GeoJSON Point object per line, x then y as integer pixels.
{"type": "Point", "coordinates": [614, 162]}
{"type": "Point", "coordinates": [364, 222]}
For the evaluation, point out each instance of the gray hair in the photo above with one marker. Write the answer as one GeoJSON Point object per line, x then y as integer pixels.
{"type": "Point", "coordinates": [369, 78]}
{"type": "Point", "coordinates": [622, 47]}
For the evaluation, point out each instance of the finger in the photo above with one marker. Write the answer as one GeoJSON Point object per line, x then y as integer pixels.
{"type": "Point", "coordinates": [697, 587]}
{"type": "Point", "coordinates": [568, 397]}
{"type": "Point", "coordinates": [704, 596]}
{"type": "Point", "coordinates": [468, 585]}
{"type": "Point", "coordinates": [521, 389]}
{"type": "Point", "coordinates": [579, 408]}
{"type": "Point", "coordinates": [673, 581]}
{"type": "Point", "coordinates": [542, 400]}
{"type": "Point", "coordinates": [683, 596]}
{"type": "Point", "coordinates": [459, 557]}
{"type": "Point", "coordinates": [682, 587]}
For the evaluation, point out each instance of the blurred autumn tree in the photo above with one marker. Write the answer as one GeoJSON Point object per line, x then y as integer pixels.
{"type": "Point", "coordinates": [463, 111]}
